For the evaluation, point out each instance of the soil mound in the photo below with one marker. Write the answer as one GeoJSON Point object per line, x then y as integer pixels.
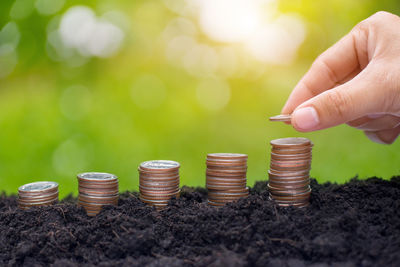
{"type": "Point", "coordinates": [354, 224]}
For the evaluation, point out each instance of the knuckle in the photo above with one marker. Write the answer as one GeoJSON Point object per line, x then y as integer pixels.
{"type": "Point", "coordinates": [391, 91]}
{"type": "Point", "coordinates": [383, 15]}
{"type": "Point", "coordinates": [361, 29]}
{"type": "Point", "coordinates": [363, 26]}
{"type": "Point", "coordinates": [312, 90]}
{"type": "Point", "coordinates": [375, 22]}
{"type": "Point", "coordinates": [323, 65]}
{"type": "Point", "coordinates": [379, 19]}
{"type": "Point", "coordinates": [338, 103]}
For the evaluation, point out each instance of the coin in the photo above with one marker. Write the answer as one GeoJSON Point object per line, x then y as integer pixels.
{"type": "Point", "coordinates": [289, 175]}
{"type": "Point", "coordinates": [159, 175]}
{"type": "Point", "coordinates": [164, 198]}
{"type": "Point", "coordinates": [283, 186]}
{"type": "Point", "coordinates": [226, 175]}
{"type": "Point", "coordinates": [159, 165]}
{"type": "Point", "coordinates": [227, 156]}
{"type": "Point", "coordinates": [289, 179]}
{"type": "Point", "coordinates": [37, 194]}
{"type": "Point", "coordinates": [283, 157]}
{"type": "Point", "coordinates": [158, 182]}
{"type": "Point", "coordinates": [215, 204]}
{"type": "Point", "coordinates": [282, 118]}
{"type": "Point", "coordinates": [97, 189]}
{"type": "Point", "coordinates": [224, 180]}
{"type": "Point", "coordinates": [228, 194]}
{"type": "Point", "coordinates": [99, 177]}
{"type": "Point", "coordinates": [38, 187]}
{"type": "Point", "coordinates": [211, 187]}
{"type": "Point", "coordinates": [158, 191]}
{"type": "Point", "coordinates": [290, 143]}
{"type": "Point", "coordinates": [299, 204]}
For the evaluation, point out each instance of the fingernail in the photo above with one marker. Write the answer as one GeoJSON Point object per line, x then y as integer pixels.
{"type": "Point", "coordinates": [375, 138]}
{"type": "Point", "coordinates": [306, 118]}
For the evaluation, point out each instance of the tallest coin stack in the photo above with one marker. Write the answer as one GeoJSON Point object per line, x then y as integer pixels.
{"type": "Point", "coordinates": [289, 173]}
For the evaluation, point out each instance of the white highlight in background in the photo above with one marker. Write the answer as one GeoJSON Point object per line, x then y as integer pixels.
{"type": "Point", "coordinates": [229, 20]}
{"type": "Point", "coordinates": [82, 30]}
{"type": "Point", "coordinates": [278, 42]}
{"type": "Point", "coordinates": [9, 39]}
{"type": "Point", "coordinates": [255, 25]}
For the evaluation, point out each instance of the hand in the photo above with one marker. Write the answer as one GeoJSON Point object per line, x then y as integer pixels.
{"type": "Point", "coordinates": [356, 81]}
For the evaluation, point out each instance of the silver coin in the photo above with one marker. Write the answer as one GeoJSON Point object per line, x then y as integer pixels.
{"type": "Point", "coordinates": [37, 186]}
{"type": "Point", "coordinates": [282, 117]}
{"type": "Point", "coordinates": [95, 176]}
{"type": "Point", "coordinates": [291, 142]}
{"type": "Point", "coordinates": [159, 164]}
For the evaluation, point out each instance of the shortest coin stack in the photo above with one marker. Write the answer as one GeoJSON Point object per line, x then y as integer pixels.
{"type": "Point", "coordinates": [97, 189]}
{"type": "Point", "coordinates": [37, 194]}
{"type": "Point", "coordinates": [289, 179]}
{"type": "Point", "coordinates": [226, 177]}
{"type": "Point", "coordinates": [158, 182]}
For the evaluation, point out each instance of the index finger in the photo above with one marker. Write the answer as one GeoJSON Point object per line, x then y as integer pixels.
{"type": "Point", "coordinates": [342, 61]}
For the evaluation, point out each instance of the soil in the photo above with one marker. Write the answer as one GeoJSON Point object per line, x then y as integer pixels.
{"type": "Point", "coordinates": [355, 224]}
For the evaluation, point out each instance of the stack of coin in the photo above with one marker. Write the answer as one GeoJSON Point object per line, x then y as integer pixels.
{"type": "Point", "coordinates": [97, 189]}
{"type": "Point", "coordinates": [37, 194]}
{"type": "Point", "coordinates": [158, 182]}
{"type": "Point", "coordinates": [289, 179]}
{"type": "Point", "coordinates": [226, 177]}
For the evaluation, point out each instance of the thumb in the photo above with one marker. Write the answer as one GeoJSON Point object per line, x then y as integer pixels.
{"type": "Point", "coordinates": [361, 96]}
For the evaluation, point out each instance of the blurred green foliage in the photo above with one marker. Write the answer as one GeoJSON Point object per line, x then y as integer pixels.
{"type": "Point", "coordinates": [59, 118]}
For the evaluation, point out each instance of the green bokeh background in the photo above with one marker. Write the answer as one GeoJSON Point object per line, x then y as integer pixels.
{"type": "Point", "coordinates": [57, 120]}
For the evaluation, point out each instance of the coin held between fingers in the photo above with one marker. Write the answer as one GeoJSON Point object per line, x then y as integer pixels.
{"type": "Point", "coordinates": [282, 118]}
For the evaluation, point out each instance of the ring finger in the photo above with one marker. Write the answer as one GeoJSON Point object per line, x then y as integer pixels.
{"type": "Point", "coordinates": [384, 137]}
{"type": "Point", "coordinates": [385, 122]}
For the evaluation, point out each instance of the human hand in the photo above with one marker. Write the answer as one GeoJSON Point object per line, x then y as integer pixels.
{"type": "Point", "coordinates": [356, 81]}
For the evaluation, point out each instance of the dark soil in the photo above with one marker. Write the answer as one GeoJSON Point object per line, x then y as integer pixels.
{"type": "Point", "coordinates": [355, 224]}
